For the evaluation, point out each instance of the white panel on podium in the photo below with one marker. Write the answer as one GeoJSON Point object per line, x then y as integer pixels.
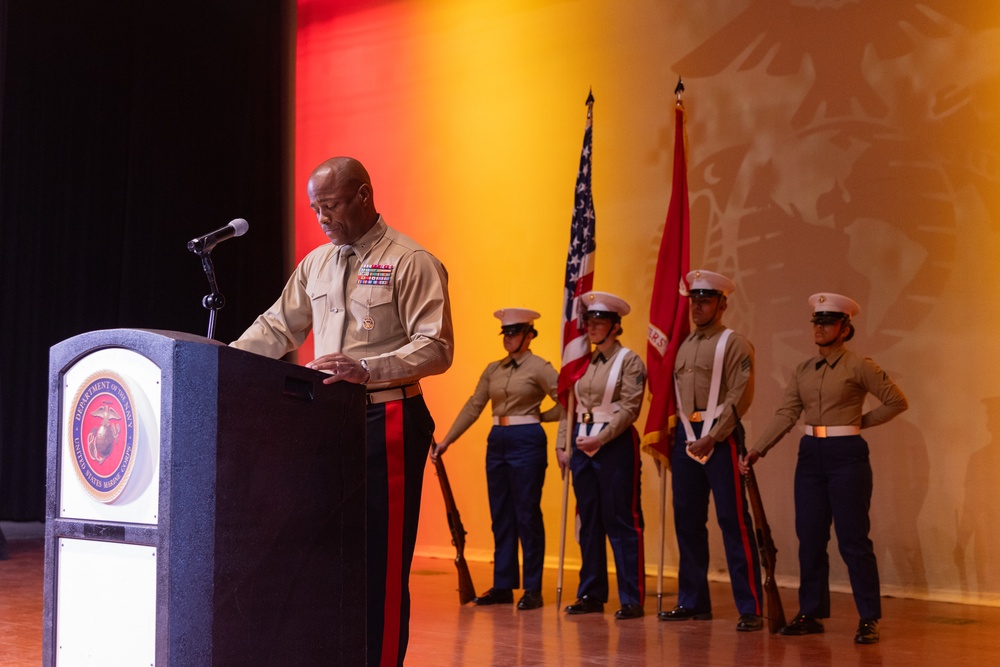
{"type": "Point", "coordinates": [106, 604]}
{"type": "Point", "coordinates": [139, 501]}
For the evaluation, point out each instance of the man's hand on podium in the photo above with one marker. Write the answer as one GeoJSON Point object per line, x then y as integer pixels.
{"type": "Point", "coordinates": [341, 368]}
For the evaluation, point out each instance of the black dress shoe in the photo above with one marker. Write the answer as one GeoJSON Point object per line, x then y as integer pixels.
{"type": "Point", "coordinates": [586, 605]}
{"type": "Point", "coordinates": [629, 611]}
{"type": "Point", "coordinates": [680, 613]}
{"type": "Point", "coordinates": [530, 600]}
{"type": "Point", "coordinates": [803, 625]}
{"type": "Point", "coordinates": [867, 631]}
{"type": "Point", "coordinates": [494, 596]}
{"type": "Point", "coordinates": [749, 623]}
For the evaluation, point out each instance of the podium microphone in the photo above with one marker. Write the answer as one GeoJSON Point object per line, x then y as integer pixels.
{"type": "Point", "coordinates": [203, 244]}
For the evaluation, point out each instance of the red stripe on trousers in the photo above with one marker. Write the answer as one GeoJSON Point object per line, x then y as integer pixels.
{"type": "Point", "coordinates": [740, 513]}
{"type": "Point", "coordinates": [396, 477]}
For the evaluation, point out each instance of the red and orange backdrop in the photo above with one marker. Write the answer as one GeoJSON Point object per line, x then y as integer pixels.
{"type": "Point", "coordinates": [840, 146]}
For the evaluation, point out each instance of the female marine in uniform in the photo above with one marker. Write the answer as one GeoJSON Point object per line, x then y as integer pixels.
{"type": "Point", "coordinates": [605, 462]}
{"type": "Point", "coordinates": [516, 456]}
{"type": "Point", "coordinates": [833, 476]}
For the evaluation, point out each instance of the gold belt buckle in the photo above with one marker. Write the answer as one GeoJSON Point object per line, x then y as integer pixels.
{"type": "Point", "coordinates": [695, 417]}
{"type": "Point", "coordinates": [819, 431]}
{"type": "Point", "coordinates": [587, 418]}
{"type": "Point", "coordinates": [504, 421]}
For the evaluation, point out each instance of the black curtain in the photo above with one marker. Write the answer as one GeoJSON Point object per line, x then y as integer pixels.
{"type": "Point", "coordinates": [128, 127]}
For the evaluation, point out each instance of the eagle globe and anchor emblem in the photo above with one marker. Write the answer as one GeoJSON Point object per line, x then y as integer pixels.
{"type": "Point", "coordinates": [102, 435]}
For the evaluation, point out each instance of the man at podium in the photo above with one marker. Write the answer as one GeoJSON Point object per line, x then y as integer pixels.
{"type": "Point", "coordinates": [378, 305]}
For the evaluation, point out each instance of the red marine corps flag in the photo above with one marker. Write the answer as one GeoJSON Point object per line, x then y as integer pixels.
{"type": "Point", "coordinates": [668, 312]}
{"type": "Point", "coordinates": [668, 323]}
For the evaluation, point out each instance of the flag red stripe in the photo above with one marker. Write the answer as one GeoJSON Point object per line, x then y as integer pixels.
{"type": "Point", "coordinates": [579, 270]}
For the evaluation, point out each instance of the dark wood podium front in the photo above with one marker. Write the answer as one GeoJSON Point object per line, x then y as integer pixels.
{"type": "Point", "coordinates": [229, 530]}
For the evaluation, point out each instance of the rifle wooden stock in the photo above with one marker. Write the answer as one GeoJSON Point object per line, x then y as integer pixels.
{"type": "Point", "coordinates": [768, 552]}
{"type": "Point", "coordinates": [466, 591]}
{"type": "Point", "coordinates": [765, 544]}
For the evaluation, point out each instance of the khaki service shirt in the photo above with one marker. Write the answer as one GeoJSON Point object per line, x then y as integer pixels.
{"type": "Point", "coordinates": [395, 308]}
{"type": "Point", "coordinates": [831, 392]}
{"type": "Point", "coordinates": [693, 373]}
{"type": "Point", "coordinates": [515, 387]}
{"type": "Point", "coordinates": [628, 392]}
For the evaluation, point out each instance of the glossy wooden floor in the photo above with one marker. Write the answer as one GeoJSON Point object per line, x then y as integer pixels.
{"type": "Point", "coordinates": [445, 633]}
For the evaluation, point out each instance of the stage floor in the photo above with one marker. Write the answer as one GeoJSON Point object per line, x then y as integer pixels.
{"type": "Point", "coordinates": [444, 633]}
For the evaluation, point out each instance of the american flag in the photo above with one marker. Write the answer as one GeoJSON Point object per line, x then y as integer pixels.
{"type": "Point", "coordinates": [668, 311]}
{"type": "Point", "coordinates": [579, 271]}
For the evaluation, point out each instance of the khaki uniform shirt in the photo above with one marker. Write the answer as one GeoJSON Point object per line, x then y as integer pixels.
{"type": "Point", "coordinates": [394, 311]}
{"type": "Point", "coordinates": [693, 373]}
{"type": "Point", "coordinates": [515, 387]}
{"type": "Point", "coordinates": [628, 392]}
{"type": "Point", "coordinates": [831, 392]}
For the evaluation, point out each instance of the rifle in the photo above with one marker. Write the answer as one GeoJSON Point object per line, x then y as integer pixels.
{"type": "Point", "coordinates": [765, 545]}
{"type": "Point", "coordinates": [466, 591]}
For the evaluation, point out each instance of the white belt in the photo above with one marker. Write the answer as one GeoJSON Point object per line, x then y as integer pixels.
{"type": "Point", "coordinates": [595, 417]}
{"type": "Point", "coordinates": [703, 416]}
{"type": "Point", "coordinates": [393, 394]}
{"type": "Point", "coordinates": [516, 420]}
{"type": "Point", "coordinates": [832, 431]}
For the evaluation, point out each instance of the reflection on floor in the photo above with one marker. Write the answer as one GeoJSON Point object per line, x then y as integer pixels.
{"type": "Point", "coordinates": [444, 633]}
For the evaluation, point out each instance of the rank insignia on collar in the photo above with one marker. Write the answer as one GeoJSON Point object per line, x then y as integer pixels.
{"type": "Point", "coordinates": [374, 274]}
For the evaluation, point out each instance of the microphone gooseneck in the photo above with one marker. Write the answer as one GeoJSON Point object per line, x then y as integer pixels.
{"type": "Point", "coordinates": [206, 243]}
{"type": "Point", "coordinates": [202, 246]}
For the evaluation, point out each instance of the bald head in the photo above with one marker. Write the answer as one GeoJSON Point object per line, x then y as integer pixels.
{"type": "Point", "coordinates": [345, 169]}
{"type": "Point", "coordinates": [341, 195]}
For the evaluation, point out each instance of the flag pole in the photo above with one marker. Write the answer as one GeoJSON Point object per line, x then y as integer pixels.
{"type": "Point", "coordinates": [575, 346]}
{"type": "Point", "coordinates": [570, 410]}
{"type": "Point", "coordinates": [663, 529]}
{"type": "Point", "coordinates": [663, 430]}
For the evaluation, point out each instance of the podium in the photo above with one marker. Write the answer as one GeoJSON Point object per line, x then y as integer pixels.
{"type": "Point", "coordinates": [204, 506]}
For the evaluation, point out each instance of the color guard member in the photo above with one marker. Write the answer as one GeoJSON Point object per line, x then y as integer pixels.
{"type": "Point", "coordinates": [713, 372]}
{"type": "Point", "coordinates": [833, 476]}
{"type": "Point", "coordinates": [605, 463]}
{"type": "Point", "coordinates": [516, 456]}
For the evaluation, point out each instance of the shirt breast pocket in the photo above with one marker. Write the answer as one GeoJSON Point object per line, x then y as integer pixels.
{"type": "Point", "coordinates": [373, 303]}
{"type": "Point", "coordinates": [323, 303]}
